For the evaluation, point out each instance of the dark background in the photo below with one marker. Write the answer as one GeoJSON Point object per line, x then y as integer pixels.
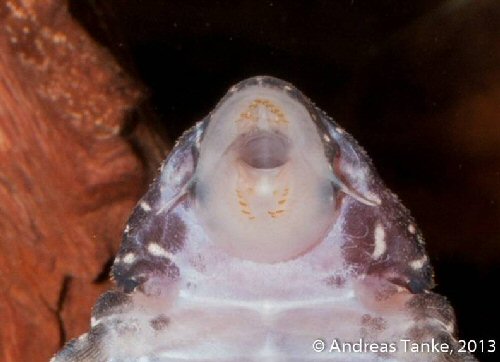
{"type": "Point", "coordinates": [416, 82]}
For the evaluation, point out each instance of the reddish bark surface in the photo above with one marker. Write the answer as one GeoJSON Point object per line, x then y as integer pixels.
{"type": "Point", "coordinates": [68, 180]}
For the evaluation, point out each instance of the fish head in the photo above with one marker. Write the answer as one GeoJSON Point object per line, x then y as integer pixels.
{"type": "Point", "coordinates": [264, 188]}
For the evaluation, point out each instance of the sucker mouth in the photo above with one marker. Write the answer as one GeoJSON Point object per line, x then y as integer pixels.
{"type": "Point", "coordinates": [264, 150]}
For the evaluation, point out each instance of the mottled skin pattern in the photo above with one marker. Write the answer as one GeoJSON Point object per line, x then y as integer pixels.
{"type": "Point", "coordinates": [182, 296]}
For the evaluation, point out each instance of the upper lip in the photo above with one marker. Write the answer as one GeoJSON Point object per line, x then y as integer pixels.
{"type": "Point", "coordinates": [263, 149]}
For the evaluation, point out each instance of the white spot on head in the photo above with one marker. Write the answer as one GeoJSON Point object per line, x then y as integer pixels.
{"type": "Point", "coordinates": [380, 245]}
{"type": "Point", "coordinates": [129, 258]}
{"type": "Point", "coordinates": [162, 166]}
{"type": "Point", "coordinates": [450, 327]}
{"type": "Point", "coordinates": [287, 88]}
{"type": "Point", "coordinates": [82, 337]}
{"type": "Point", "coordinates": [156, 250]}
{"type": "Point", "coordinates": [401, 289]}
{"type": "Point", "coordinates": [326, 137]}
{"type": "Point", "coordinates": [94, 322]}
{"type": "Point", "coordinates": [420, 239]}
{"type": "Point", "coordinates": [127, 228]}
{"type": "Point", "coordinates": [199, 133]}
{"type": "Point", "coordinates": [339, 130]}
{"type": "Point", "coordinates": [418, 263]}
{"type": "Point", "coordinates": [411, 229]}
{"type": "Point", "coordinates": [145, 206]}
{"type": "Point", "coordinates": [374, 198]}
{"type": "Point", "coordinates": [233, 89]}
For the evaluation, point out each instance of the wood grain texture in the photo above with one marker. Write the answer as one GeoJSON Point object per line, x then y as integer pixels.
{"type": "Point", "coordinates": [68, 179]}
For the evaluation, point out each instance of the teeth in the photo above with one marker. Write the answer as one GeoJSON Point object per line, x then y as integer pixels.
{"type": "Point", "coordinates": [265, 113]}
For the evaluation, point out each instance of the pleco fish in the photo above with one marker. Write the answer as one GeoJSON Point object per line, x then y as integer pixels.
{"type": "Point", "coordinates": [268, 236]}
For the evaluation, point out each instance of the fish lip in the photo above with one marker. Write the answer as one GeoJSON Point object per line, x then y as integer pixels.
{"type": "Point", "coordinates": [268, 82]}
{"type": "Point", "coordinates": [262, 149]}
{"type": "Point", "coordinates": [318, 117]}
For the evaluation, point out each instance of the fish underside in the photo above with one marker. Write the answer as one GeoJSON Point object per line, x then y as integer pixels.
{"type": "Point", "coordinates": [269, 236]}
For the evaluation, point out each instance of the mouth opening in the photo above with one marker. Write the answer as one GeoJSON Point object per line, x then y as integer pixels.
{"type": "Point", "coordinates": [265, 151]}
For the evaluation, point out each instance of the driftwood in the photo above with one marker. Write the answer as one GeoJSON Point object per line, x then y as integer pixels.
{"type": "Point", "coordinates": [68, 179]}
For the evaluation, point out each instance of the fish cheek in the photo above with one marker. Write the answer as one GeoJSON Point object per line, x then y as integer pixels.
{"type": "Point", "coordinates": [156, 231]}
{"type": "Point", "coordinates": [379, 236]}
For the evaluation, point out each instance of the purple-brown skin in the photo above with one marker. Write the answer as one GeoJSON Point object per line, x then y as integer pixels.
{"type": "Point", "coordinates": [268, 229]}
